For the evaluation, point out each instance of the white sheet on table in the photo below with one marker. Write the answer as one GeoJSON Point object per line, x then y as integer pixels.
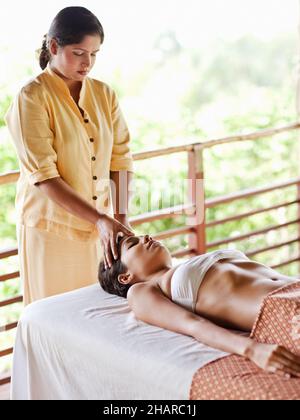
{"type": "Point", "coordinates": [87, 344]}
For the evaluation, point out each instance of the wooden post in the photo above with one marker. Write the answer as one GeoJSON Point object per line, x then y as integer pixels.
{"type": "Point", "coordinates": [298, 113]}
{"type": "Point", "coordinates": [298, 216]}
{"type": "Point", "coordinates": [298, 67]}
{"type": "Point", "coordinates": [196, 196]}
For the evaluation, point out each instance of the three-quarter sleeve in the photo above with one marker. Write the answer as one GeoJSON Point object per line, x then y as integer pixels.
{"type": "Point", "coordinates": [121, 158]}
{"type": "Point", "coordinates": [29, 125]}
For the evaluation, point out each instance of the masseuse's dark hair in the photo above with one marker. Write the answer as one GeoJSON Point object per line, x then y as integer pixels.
{"type": "Point", "coordinates": [108, 278]}
{"type": "Point", "coordinates": [70, 26]}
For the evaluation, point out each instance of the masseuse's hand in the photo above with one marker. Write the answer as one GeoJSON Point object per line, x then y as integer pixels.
{"type": "Point", "coordinates": [123, 219]}
{"type": "Point", "coordinates": [276, 359]}
{"type": "Point", "coordinates": [109, 230]}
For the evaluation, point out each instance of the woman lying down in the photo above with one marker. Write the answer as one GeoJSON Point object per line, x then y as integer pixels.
{"type": "Point", "coordinates": [203, 297]}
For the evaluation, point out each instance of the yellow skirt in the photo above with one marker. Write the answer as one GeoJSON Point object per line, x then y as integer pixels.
{"type": "Point", "coordinates": [50, 265]}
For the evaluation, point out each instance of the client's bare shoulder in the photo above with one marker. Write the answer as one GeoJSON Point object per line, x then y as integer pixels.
{"type": "Point", "coordinates": [141, 289]}
{"type": "Point", "coordinates": [139, 292]}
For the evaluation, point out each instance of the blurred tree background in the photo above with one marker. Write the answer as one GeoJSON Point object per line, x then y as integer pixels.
{"type": "Point", "coordinates": [177, 94]}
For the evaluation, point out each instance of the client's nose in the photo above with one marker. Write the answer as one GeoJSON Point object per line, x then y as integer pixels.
{"type": "Point", "coordinates": [147, 238]}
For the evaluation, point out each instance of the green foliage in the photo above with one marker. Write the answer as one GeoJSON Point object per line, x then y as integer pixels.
{"type": "Point", "coordinates": [8, 162]}
{"type": "Point", "coordinates": [4, 104]}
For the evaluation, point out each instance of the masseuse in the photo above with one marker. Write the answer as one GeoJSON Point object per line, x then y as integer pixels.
{"type": "Point", "coordinates": [71, 140]}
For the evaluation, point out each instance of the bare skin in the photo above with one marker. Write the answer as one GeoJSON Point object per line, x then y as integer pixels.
{"type": "Point", "coordinates": [233, 290]}
{"type": "Point", "coordinates": [230, 296]}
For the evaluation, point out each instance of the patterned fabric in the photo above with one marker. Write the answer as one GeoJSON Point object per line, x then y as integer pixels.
{"type": "Point", "coordinates": [236, 378]}
{"type": "Point", "coordinates": [279, 318]}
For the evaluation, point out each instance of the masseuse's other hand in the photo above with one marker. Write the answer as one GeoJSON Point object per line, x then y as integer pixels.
{"type": "Point", "coordinates": [276, 359]}
{"type": "Point", "coordinates": [124, 221]}
{"type": "Point", "coordinates": [109, 230]}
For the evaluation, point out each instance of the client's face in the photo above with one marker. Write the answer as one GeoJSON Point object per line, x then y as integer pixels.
{"type": "Point", "coordinates": [144, 256]}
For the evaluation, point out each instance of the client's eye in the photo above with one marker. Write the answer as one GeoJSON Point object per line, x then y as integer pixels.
{"type": "Point", "coordinates": [134, 241]}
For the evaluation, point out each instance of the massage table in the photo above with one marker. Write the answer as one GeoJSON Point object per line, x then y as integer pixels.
{"type": "Point", "coordinates": [87, 344]}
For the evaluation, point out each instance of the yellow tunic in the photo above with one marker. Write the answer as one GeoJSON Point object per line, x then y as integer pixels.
{"type": "Point", "coordinates": [52, 138]}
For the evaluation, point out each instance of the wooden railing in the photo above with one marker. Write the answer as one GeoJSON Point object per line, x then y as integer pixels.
{"type": "Point", "coordinates": [197, 232]}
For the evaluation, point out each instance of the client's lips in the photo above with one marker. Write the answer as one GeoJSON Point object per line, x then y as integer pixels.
{"type": "Point", "coordinates": [83, 73]}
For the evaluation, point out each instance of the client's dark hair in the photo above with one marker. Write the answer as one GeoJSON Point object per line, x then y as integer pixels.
{"type": "Point", "coordinates": [108, 278]}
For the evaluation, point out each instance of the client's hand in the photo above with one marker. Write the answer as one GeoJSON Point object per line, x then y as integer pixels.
{"type": "Point", "coordinates": [274, 358]}
{"type": "Point", "coordinates": [109, 229]}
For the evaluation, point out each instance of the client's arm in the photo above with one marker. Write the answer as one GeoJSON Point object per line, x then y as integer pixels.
{"type": "Point", "coordinates": [151, 306]}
